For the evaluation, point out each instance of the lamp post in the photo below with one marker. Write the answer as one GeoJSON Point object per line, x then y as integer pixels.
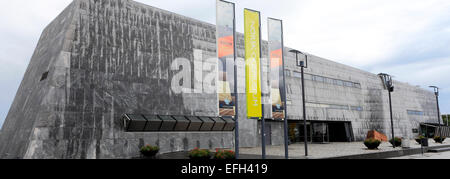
{"type": "Point", "coordinates": [302, 65]}
{"type": "Point", "coordinates": [388, 84]}
{"type": "Point", "coordinates": [436, 93]}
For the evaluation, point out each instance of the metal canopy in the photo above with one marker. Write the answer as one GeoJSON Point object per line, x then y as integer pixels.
{"type": "Point", "coordinates": [196, 123]}
{"type": "Point", "coordinates": [219, 124]}
{"type": "Point", "coordinates": [135, 122]}
{"type": "Point", "coordinates": [166, 123]}
{"type": "Point", "coordinates": [182, 123]}
{"type": "Point", "coordinates": [153, 123]}
{"type": "Point", "coordinates": [208, 124]}
{"type": "Point", "coordinates": [229, 125]}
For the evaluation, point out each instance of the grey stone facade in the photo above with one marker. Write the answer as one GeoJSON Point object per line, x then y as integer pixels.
{"type": "Point", "coordinates": [105, 58]}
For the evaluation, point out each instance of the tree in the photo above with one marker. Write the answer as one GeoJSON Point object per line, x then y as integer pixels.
{"type": "Point", "coordinates": [445, 119]}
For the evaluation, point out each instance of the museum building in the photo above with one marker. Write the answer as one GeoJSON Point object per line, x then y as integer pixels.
{"type": "Point", "coordinates": [99, 85]}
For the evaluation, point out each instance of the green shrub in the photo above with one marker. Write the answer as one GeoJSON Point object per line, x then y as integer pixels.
{"type": "Point", "coordinates": [419, 139]}
{"type": "Point", "coordinates": [398, 141]}
{"type": "Point", "coordinates": [224, 155]}
{"type": "Point", "coordinates": [372, 143]}
{"type": "Point", "coordinates": [439, 139]}
{"type": "Point", "coordinates": [200, 154]}
{"type": "Point", "coordinates": [149, 151]}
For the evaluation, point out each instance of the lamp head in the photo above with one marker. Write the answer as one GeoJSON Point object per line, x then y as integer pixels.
{"type": "Point", "coordinates": [295, 51]}
{"type": "Point", "coordinates": [387, 81]}
{"type": "Point", "coordinates": [300, 63]}
{"type": "Point", "coordinates": [436, 90]}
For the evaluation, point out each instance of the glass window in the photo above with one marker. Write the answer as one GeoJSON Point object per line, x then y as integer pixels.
{"type": "Point", "coordinates": [343, 107]}
{"type": "Point", "coordinates": [416, 113]}
{"type": "Point", "coordinates": [357, 85]}
{"type": "Point", "coordinates": [329, 80]}
{"type": "Point", "coordinates": [44, 76]}
{"type": "Point", "coordinates": [339, 82]}
{"type": "Point", "coordinates": [318, 78]}
{"type": "Point", "coordinates": [348, 84]}
{"type": "Point", "coordinates": [356, 108]}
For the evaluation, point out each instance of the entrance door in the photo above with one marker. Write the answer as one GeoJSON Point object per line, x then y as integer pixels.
{"type": "Point", "coordinates": [302, 132]}
{"type": "Point", "coordinates": [320, 132]}
{"type": "Point", "coordinates": [349, 131]}
{"type": "Point", "coordinates": [296, 131]}
{"type": "Point", "coordinates": [340, 132]}
{"type": "Point", "coordinates": [427, 130]}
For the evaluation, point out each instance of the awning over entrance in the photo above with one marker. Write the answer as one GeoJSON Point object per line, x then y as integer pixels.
{"type": "Point", "coordinates": [159, 123]}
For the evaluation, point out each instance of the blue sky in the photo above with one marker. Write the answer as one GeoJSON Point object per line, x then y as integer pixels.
{"type": "Point", "coordinates": [409, 39]}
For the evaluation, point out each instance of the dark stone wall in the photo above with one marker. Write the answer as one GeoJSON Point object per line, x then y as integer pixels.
{"type": "Point", "coordinates": [119, 61]}
{"type": "Point", "coordinates": [106, 58]}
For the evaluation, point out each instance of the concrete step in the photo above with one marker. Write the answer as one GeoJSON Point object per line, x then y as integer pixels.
{"type": "Point", "coordinates": [439, 150]}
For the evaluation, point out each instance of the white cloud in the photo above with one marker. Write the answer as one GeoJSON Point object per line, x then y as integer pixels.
{"type": "Point", "coordinates": [354, 32]}
{"type": "Point", "coordinates": [421, 72]}
{"type": "Point", "coordinates": [361, 33]}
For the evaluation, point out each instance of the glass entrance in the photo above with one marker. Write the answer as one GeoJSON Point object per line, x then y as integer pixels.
{"type": "Point", "coordinates": [320, 131]}
{"type": "Point", "coordinates": [296, 132]}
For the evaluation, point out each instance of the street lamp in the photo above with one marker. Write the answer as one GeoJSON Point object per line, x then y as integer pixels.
{"type": "Point", "coordinates": [436, 93]}
{"type": "Point", "coordinates": [302, 65]}
{"type": "Point", "coordinates": [388, 85]}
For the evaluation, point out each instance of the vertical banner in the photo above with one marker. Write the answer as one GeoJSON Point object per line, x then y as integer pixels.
{"type": "Point", "coordinates": [226, 55]}
{"type": "Point", "coordinates": [275, 31]}
{"type": "Point", "coordinates": [253, 63]}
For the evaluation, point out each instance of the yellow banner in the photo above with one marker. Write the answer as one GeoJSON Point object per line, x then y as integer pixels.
{"type": "Point", "coordinates": [252, 59]}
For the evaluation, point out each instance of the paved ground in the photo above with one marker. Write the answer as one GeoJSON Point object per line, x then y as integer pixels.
{"type": "Point", "coordinates": [444, 155]}
{"type": "Point", "coordinates": [317, 151]}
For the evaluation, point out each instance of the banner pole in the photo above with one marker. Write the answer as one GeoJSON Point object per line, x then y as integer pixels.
{"type": "Point", "coordinates": [286, 135]}
{"type": "Point", "coordinates": [226, 47]}
{"type": "Point", "coordinates": [275, 45]}
{"type": "Point", "coordinates": [263, 121]}
{"type": "Point", "coordinates": [254, 70]}
{"type": "Point", "coordinates": [236, 130]}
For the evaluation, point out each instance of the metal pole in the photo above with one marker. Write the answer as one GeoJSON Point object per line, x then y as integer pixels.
{"type": "Point", "coordinates": [263, 137]}
{"type": "Point", "coordinates": [286, 136]}
{"type": "Point", "coordinates": [236, 116]}
{"type": "Point", "coordinates": [392, 120]}
{"type": "Point", "coordinates": [439, 117]}
{"type": "Point", "coordinates": [263, 121]}
{"type": "Point", "coordinates": [286, 124]}
{"type": "Point", "coordinates": [304, 111]}
{"type": "Point", "coordinates": [283, 91]}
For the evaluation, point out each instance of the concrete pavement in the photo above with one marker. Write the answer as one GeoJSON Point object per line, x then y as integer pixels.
{"type": "Point", "coordinates": [320, 151]}
{"type": "Point", "coordinates": [444, 155]}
